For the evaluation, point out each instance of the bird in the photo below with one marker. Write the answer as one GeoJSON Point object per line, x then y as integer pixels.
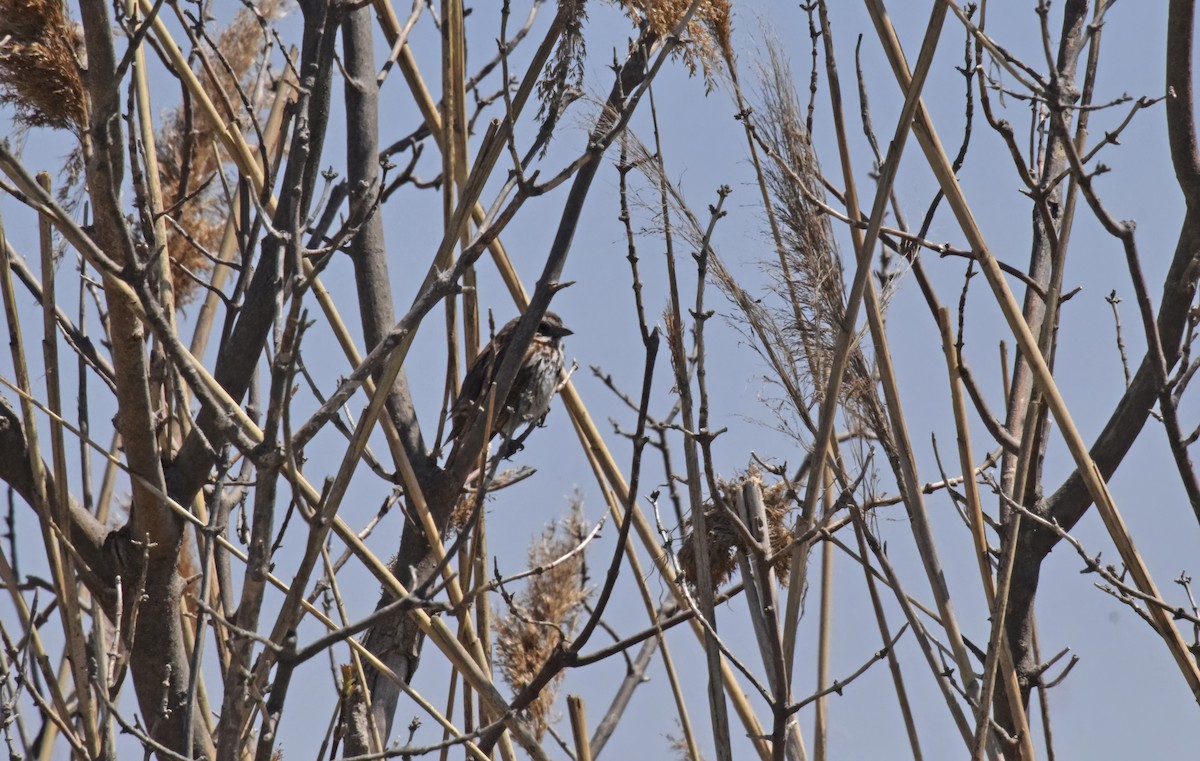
{"type": "Point", "coordinates": [529, 398]}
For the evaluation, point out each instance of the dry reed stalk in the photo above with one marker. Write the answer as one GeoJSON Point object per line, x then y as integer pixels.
{"type": "Point", "coordinates": [63, 565]}
{"type": "Point", "coordinates": [863, 289]}
{"type": "Point", "coordinates": [589, 434]}
{"type": "Point", "coordinates": [869, 574]}
{"type": "Point", "coordinates": [579, 732]}
{"type": "Point", "coordinates": [649, 602]}
{"type": "Point", "coordinates": [370, 561]}
{"type": "Point", "coordinates": [454, 166]}
{"type": "Point", "coordinates": [940, 163]}
{"type": "Point", "coordinates": [702, 571]}
{"type": "Point", "coordinates": [273, 132]}
{"type": "Point", "coordinates": [188, 164]}
{"type": "Point", "coordinates": [56, 711]}
{"type": "Point", "coordinates": [824, 634]}
{"type": "Point", "coordinates": [487, 156]}
{"type": "Point", "coordinates": [979, 538]}
{"type": "Point", "coordinates": [48, 518]}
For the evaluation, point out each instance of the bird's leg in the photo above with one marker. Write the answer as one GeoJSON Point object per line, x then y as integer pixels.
{"type": "Point", "coordinates": [511, 446]}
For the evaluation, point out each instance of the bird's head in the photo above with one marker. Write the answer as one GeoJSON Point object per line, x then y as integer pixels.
{"type": "Point", "coordinates": [552, 326]}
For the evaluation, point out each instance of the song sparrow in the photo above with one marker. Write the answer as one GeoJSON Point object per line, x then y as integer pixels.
{"type": "Point", "coordinates": [529, 399]}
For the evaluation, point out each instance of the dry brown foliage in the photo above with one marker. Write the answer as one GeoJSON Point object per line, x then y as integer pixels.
{"type": "Point", "coordinates": [564, 76]}
{"type": "Point", "coordinates": [544, 613]}
{"type": "Point", "coordinates": [808, 274]}
{"type": "Point", "coordinates": [796, 329]}
{"type": "Point", "coordinates": [707, 40]}
{"type": "Point", "coordinates": [724, 540]}
{"type": "Point", "coordinates": [189, 154]}
{"type": "Point", "coordinates": [39, 64]}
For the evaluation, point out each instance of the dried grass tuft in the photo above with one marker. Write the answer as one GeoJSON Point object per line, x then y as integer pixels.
{"type": "Point", "coordinates": [724, 540]}
{"type": "Point", "coordinates": [564, 77]}
{"type": "Point", "coordinates": [797, 329]}
{"type": "Point", "coordinates": [808, 275]}
{"type": "Point", "coordinates": [707, 39]}
{"type": "Point", "coordinates": [40, 52]}
{"type": "Point", "coordinates": [706, 42]}
{"type": "Point", "coordinates": [544, 613]}
{"type": "Point", "coordinates": [678, 747]}
{"type": "Point", "coordinates": [463, 508]}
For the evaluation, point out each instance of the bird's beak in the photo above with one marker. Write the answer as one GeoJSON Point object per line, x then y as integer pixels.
{"type": "Point", "coordinates": [565, 331]}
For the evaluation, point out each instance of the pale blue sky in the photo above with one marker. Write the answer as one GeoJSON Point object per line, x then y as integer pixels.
{"type": "Point", "coordinates": [1124, 698]}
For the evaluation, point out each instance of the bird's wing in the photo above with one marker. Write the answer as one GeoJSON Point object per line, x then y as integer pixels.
{"type": "Point", "coordinates": [479, 375]}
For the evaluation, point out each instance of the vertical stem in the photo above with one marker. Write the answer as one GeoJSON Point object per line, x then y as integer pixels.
{"type": "Point", "coordinates": [975, 513]}
{"type": "Point", "coordinates": [864, 246]}
{"type": "Point", "coordinates": [824, 637]}
{"type": "Point", "coordinates": [579, 731]}
{"type": "Point", "coordinates": [58, 503]}
{"type": "Point", "coordinates": [885, 634]}
{"type": "Point", "coordinates": [703, 581]}
{"type": "Point", "coordinates": [1088, 470]}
